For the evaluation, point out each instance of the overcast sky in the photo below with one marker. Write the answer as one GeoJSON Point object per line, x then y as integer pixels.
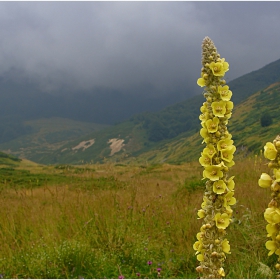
{"type": "Point", "coordinates": [134, 46]}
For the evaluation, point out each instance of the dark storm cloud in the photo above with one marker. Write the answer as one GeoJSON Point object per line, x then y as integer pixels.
{"type": "Point", "coordinates": [133, 46]}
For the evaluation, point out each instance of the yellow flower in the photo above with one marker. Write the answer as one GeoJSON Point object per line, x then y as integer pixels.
{"type": "Point", "coordinates": [205, 160]}
{"type": "Point", "coordinates": [199, 236]}
{"type": "Point", "coordinates": [203, 108]}
{"type": "Point", "coordinates": [213, 172]}
{"type": "Point", "coordinates": [226, 246]}
{"type": "Point", "coordinates": [205, 201]}
{"type": "Point", "coordinates": [270, 151]}
{"type": "Point", "coordinates": [224, 144]}
{"type": "Point", "coordinates": [272, 215]}
{"type": "Point", "coordinates": [219, 108]}
{"type": "Point", "coordinates": [271, 229]}
{"type": "Point", "coordinates": [227, 155]}
{"type": "Point", "coordinates": [230, 183]}
{"type": "Point", "coordinates": [209, 151]}
{"type": "Point", "coordinates": [203, 117]}
{"type": "Point", "coordinates": [200, 257]}
{"type": "Point", "coordinates": [201, 82]}
{"type": "Point", "coordinates": [212, 125]}
{"type": "Point", "coordinates": [221, 271]}
{"type": "Point", "coordinates": [229, 106]}
{"type": "Point", "coordinates": [265, 181]}
{"type": "Point", "coordinates": [276, 173]}
{"type": "Point", "coordinates": [197, 246]}
{"type": "Point", "coordinates": [272, 247]}
{"type": "Point", "coordinates": [229, 211]}
{"type": "Point", "coordinates": [201, 213]}
{"type": "Point", "coordinates": [204, 133]}
{"type": "Point", "coordinates": [219, 68]}
{"type": "Point", "coordinates": [222, 220]}
{"type": "Point", "coordinates": [229, 199]}
{"type": "Point", "coordinates": [225, 93]}
{"type": "Point", "coordinates": [219, 187]}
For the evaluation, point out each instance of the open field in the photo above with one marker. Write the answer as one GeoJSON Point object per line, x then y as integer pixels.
{"type": "Point", "coordinates": [111, 221]}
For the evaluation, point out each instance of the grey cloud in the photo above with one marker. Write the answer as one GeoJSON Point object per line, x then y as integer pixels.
{"type": "Point", "coordinates": [131, 46]}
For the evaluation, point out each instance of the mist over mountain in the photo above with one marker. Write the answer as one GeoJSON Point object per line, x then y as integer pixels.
{"type": "Point", "coordinates": [26, 100]}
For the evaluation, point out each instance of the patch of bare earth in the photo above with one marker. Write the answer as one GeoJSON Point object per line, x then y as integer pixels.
{"type": "Point", "coordinates": [84, 145]}
{"type": "Point", "coordinates": [116, 145]}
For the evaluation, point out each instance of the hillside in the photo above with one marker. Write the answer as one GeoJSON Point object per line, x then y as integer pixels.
{"type": "Point", "coordinates": [47, 135]}
{"type": "Point", "coordinates": [249, 132]}
{"type": "Point", "coordinates": [167, 135]}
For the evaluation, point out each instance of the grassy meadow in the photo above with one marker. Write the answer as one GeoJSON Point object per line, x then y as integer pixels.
{"type": "Point", "coordinates": [121, 221]}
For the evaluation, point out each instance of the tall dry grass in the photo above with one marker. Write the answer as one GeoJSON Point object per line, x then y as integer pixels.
{"type": "Point", "coordinates": [141, 223]}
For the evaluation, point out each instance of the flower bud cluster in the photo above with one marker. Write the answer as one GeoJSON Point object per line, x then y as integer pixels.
{"type": "Point", "coordinates": [216, 158]}
{"type": "Point", "coordinates": [272, 213]}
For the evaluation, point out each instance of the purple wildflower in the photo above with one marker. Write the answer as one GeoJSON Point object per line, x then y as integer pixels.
{"type": "Point", "coordinates": [149, 262]}
{"type": "Point", "coordinates": [121, 277]}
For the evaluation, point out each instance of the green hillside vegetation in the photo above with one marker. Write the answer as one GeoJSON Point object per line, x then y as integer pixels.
{"type": "Point", "coordinates": [45, 135]}
{"type": "Point", "coordinates": [8, 160]}
{"type": "Point", "coordinates": [247, 126]}
{"type": "Point", "coordinates": [249, 134]}
{"type": "Point", "coordinates": [165, 136]}
{"type": "Point", "coordinates": [171, 135]}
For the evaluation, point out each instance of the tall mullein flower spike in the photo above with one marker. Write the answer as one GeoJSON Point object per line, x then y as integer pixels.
{"type": "Point", "coordinates": [216, 158]}
{"type": "Point", "coordinates": [272, 213]}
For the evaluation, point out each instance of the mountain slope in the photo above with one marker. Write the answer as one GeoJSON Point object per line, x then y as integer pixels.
{"type": "Point", "coordinates": [249, 132]}
{"type": "Point", "coordinates": [47, 135]}
{"type": "Point", "coordinates": [156, 136]}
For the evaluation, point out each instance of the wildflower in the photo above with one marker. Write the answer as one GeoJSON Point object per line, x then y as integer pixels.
{"type": "Point", "coordinates": [205, 201]}
{"type": "Point", "coordinates": [201, 82]}
{"type": "Point", "coordinates": [276, 173]}
{"type": "Point", "coordinates": [225, 93]}
{"type": "Point", "coordinates": [225, 144]}
{"type": "Point", "coordinates": [212, 125]}
{"type": "Point", "coordinates": [272, 247]}
{"type": "Point", "coordinates": [204, 117]}
{"type": "Point", "coordinates": [226, 246]}
{"type": "Point", "coordinates": [227, 154]}
{"type": "Point", "coordinates": [209, 151]}
{"type": "Point", "coordinates": [121, 277]}
{"type": "Point", "coordinates": [213, 172]}
{"type": "Point", "coordinates": [149, 262]}
{"type": "Point", "coordinates": [219, 187]}
{"type": "Point", "coordinates": [158, 269]}
{"type": "Point", "coordinates": [197, 246]}
{"type": "Point", "coordinates": [229, 106]}
{"type": "Point", "coordinates": [265, 181]}
{"type": "Point", "coordinates": [229, 199]}
{"type": "Point", "coordinates": [204, 134]}
{"type": "Point", "coordinates": [200, 257]}
{"type": "Point", "coordinates": [219, 68]}
{"type": "Point", "coordinates": [219, 108]}
{"type": "Point", "coordinates": [221, 271]}
{"type": "Point", "coordinates": [271, 229]}
{"type": "Point", "coordinates": [230, 183]}
{"type": "Point", "coordinates": [205, 160]}
{"type": "Point", "coordinates": [222, 220]}
{"type": "Point", "coordinates": [216, 159]}
{"type": "Point", "coordinates": [272, 215]}
{"type": "Point", "coordinates": [270, 151]}
{"type": "Point", "coordinates": [201, 213]}
{"type": "Point", "coordinates": [138, 274]}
